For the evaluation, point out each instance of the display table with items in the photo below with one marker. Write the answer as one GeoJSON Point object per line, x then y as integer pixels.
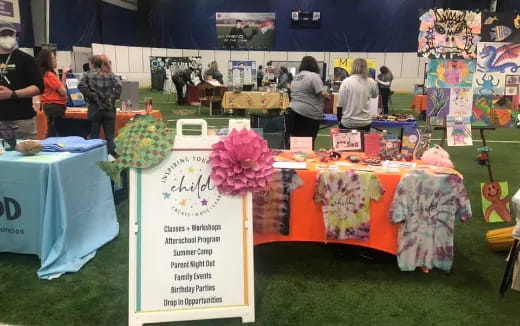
{"type": "Point", "coordinates": [73, 115]}
{"type": "Point", "coordinates": [255, 100]}
{"type": "Point", "coordinates": [353, 199]}
{"type": "Point", "coordinates": [58, 206]}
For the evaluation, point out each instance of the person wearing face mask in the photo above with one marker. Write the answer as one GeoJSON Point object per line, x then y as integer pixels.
{"type": "Point", "coordinates": [20, 80]}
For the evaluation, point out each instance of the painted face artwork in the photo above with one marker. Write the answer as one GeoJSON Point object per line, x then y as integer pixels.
{"type": "Point", "coordinates": [491, 192]}
{"type": "Point", "coordinates": [450, 34]}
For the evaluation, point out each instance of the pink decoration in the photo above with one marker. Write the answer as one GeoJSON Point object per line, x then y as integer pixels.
{"type": "Point", "coordinates": [241, 162]}
{"type": "Point", "coordinates": [437, 156]}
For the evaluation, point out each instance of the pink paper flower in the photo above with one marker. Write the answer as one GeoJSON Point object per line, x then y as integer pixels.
{"type": "Point", "coordinates": [241, 162]}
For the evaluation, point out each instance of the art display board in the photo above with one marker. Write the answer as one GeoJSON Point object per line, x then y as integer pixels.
{"type": "Point", "coordinates": [245, 30]}
{"type": "Point", "coordinates": [241, 73]}
{"type": "Point", "coordinates": [342, 66]}
{"type": "Point", "coordinates": [10, 12]}
{"type": "Point", "coordinates": [187, 68]}
{"type": "Point", "coordinates": [191, 248]}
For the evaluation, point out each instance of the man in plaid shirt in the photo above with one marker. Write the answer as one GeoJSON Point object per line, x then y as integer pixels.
{"type": "Point", "coordinates": [101, 88]}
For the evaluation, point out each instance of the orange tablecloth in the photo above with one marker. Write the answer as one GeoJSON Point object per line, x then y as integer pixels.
{"type": "Point", "coordinates": [73, 113]}
{"type": "Point", "coordinates": [306, 220]}
{"type": "Point", "coordinates": [419, 103]}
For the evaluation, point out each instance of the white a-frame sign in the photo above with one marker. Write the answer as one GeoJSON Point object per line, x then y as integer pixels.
{"type": "Point", "coordinates": [191, 248]}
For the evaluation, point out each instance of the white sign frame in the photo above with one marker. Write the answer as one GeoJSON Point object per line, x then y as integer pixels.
{"type": "Point", "coordinates": [246, 311]}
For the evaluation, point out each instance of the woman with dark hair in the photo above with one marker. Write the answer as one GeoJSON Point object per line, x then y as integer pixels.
{"type": "Point", "coordinates": [384, 81]}
{"type": "Point", "coordinates": [306, 106]}
{"type": "Point", "coordinates": [102, 88]}
{"type": "Point", "coordinates": [53, 99]}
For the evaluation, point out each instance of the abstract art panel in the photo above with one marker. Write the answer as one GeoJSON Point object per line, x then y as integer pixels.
{"type": "Point", "coordinates": [458, 130]}
{"type": "Point", "coordinates": [447, 73]}
{"type": "Point", "coordinates": [438, 104]}
{"type": "Point", "coordinates": [496, 110]}
{"type": "Point", "coordinates": [450, 34]}
{"type": "Point", "coordinates": [461, 100]}
{"type": "Point", "coordinates": [496, 57]}
{"type": "Point", "coordinates": [489, 83]}
{"type": "Point", "coordinates": [500, 27]}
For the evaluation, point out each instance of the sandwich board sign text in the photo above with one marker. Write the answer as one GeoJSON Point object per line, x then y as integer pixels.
{"type": "Point", "coordinates": [191, 248]}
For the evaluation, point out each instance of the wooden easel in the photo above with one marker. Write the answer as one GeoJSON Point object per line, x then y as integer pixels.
{"type": "Point", "coordinates": [209, 93]}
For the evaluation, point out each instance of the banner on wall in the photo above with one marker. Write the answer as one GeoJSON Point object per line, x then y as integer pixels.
{"type": "Point", "coordinates": [10, 12]}
{"type": "Point", "coordinates": [243, 30]}
{"type": "Point", "coordinates": [241, 73]}
{"type": "Point", "coordinates": [343, 68]}
{"type": "Point", "coordinates": [183, 69]}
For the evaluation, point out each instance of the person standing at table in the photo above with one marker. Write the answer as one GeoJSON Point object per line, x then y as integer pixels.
{"type": "Point", "coordinates": [102, 88]}
{"type": "Point", "coordinates": [305, 111]}
{"type": "Point", "coordinates": [53, 99]}
{"type": "Point", "coordinates": [214, 73]}
{"type": "Point", "coordinates": [260, 76]}
{"type": "Point", "coordinates": [384, 81]}
{"type": "Point", "coordinates": [284, 79]}
{"type": "Point", "coordinates": [353, 99]}
{"type": "Point", "coordinates": [19, 82]}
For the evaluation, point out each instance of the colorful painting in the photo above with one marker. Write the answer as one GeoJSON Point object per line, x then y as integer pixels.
{"type": "Point", "coordinates": [496, 57]}
{"type": "Point", "coordinates": [458, 130]}
{"type": "Point", "coordinates": [449, 34]}
{"type": "Point", "coordinates": [245, 30]}
{"type": "Point", "coordinates": [495, 202]}
{"type": "Point", "coordinates": [500, 27]}
{"type": "Point", "coordinates": [343, 68]}
{"type": "Point", "coordinates": [438, 104]}
{"type": "Point", "coordinates": [496, 111]}
{"type": "Point", "coordinates": [489, 83]}
{"type": "Point", "coordinates": [461, 100]}
{"type": "Point", "coordinates": [443, 73]}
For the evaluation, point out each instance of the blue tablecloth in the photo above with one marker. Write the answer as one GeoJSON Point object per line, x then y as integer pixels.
{"type": "Point", "coordinates": [332, 120]}
{"type": "Point", "coordinates": [58, 206]}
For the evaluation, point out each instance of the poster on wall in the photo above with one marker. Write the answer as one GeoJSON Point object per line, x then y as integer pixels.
{"type": "Point", "coordinates": [241, 73]}
{"type": "Point", "coordinates": [449, 34]}
{"type": "Point", "coordinates": [243, 30]}
{"type": "Point", "coordinates": [186, 69]}
{"type": "Point", "coordinates": [501, 27]}
{"type": "Point", "coordinates": [10, 12]}
{"type": "Point", "coordinates": [343, 68]}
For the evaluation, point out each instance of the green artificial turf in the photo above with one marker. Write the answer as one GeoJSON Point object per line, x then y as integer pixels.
{"type": "Point", "coordinates": [300, 283]}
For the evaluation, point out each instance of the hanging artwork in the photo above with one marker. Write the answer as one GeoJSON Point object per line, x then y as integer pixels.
{"type": "Point", "coordinates": [512, 85]}
{"type": "Point", "coordinates": [461, 100]}
{"type": "Point", "coordinates": [495, 202]}
{"type": "Point", "coordinates": [496, 111]}
{"type": "Point", "coordinates": [245, 30]}
{"type": "Point", "coordinates": [500, 26]}
{"type": "Point", "coordinates": [496, 57]}
{"type": "Point", "coordinates": [458, 130]}
{"type": "Point", "coordinates": [451, 34]}
{"type": "Point", "coordinates": [489, 83]}
{"type": "Point", "coordinates": [443, 73]}
{"type": "Point", "coordinates": [438, 104]}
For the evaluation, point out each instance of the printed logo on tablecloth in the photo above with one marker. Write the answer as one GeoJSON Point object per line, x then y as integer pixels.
{"type": "Point", "coordinates": [187, 185]}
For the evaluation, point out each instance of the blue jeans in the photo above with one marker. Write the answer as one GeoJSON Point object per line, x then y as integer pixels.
{"type": "Point", "coordinates": [107, 119]}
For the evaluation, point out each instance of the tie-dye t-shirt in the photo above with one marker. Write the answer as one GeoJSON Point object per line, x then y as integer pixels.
{"type": "Point", "coordinates": [271, 209]}
{"type": "Point", "coordinates": [426, 205]}
{"type": "Point", "coordinates": [345, 199]}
